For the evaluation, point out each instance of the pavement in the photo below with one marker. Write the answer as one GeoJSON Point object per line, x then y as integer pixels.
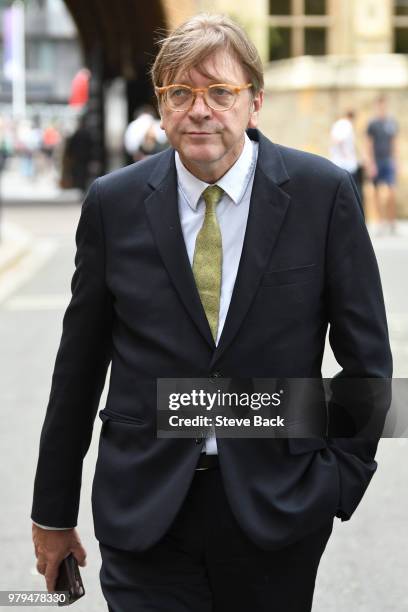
{"type": "Point", "coordinates": [43, 189]}
{"type": "Point", "coordinates": [15, 242]}
{"type": "Point", "coordinates": [19, 191]}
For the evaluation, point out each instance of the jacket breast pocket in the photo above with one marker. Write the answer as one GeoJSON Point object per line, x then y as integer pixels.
{"type": "Point", "coordinates": [289, 276]}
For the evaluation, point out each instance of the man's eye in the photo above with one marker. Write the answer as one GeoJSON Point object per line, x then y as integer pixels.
{"type": "Point", "coordinates": [220, 91]}
{"type": "Point", "coordinates": [179, 93]}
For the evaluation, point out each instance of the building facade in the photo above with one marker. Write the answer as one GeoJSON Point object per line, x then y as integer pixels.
{"type": "Point", "coordinates": [52, 54]}
{"type": "Point", "coordinates": [323, 57]}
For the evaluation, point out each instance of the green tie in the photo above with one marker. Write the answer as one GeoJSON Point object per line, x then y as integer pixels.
{"type": "Point", "coordinates": [207, 262]}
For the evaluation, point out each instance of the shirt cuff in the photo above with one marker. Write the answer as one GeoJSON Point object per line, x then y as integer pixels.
{"type": "Point", "coordinates": [53, 528]}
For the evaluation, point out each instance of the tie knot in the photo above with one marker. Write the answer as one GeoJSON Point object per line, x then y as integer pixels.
{"type": "Point", "coordinates": [212, 195]}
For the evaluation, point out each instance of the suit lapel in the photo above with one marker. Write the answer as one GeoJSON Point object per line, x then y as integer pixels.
{"type": "Point", "coordinates": [162, 210]}
{"type": "Point", "coordinates": [267, 211]}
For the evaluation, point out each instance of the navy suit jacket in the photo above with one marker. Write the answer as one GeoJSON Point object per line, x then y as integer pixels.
{"type": "Point", "coordinates": [307, 263]}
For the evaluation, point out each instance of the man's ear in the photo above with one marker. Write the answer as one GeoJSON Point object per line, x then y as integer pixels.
{"type": "Point", "coordinates": [256, 106]}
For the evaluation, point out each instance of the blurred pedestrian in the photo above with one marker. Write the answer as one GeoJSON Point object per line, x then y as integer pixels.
{"type": "Point", "coordinates": [144, 136]}
{"type": "Point", "coordinates": [4, 145]}
{"type": "Point", "coordinates": [51, 138]}
{"type": "Point", "coordinates": [28, 146]}
{"type": "Point", "coordinates": [343, 150]}
{"type": "Point", "coordinates": [382, 133]}
{"type": "Point", "coordinates": [4, 152]}
{"type": "Point", "coordinates": [76, 158]}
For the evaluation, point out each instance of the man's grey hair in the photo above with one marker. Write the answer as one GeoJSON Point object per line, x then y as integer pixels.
{"type": "Point", "coordinates": [191, 43]}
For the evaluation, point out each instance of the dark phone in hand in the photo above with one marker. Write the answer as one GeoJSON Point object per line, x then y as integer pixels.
{"type": "Point", "coordinates": [69, 580]}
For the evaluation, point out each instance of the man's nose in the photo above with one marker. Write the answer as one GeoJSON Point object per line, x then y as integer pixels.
{"type": "Point", "coordinates": [199, 108]}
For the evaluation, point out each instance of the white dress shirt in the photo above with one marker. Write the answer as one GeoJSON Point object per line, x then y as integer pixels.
{"type": "Point", "coordinates": [232, 214]}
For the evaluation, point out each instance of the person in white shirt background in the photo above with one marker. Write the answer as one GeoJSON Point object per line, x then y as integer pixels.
{"type": "Point", "coordinates": [143, 135]}
{"type": "Point", "coordinates": [343, 150]}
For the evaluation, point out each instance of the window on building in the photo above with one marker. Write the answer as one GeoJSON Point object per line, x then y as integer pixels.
{"type": "Point", "coordinates": [280, 7]}
{"type": "Point", "coordinates": [400, 26]}
{"type": "Point", "coordinates": [279, 43]}
{"type": "Point", "coordinates": [315, 7]}
{"type": "Point", "coordinates": [401, 40]}
{"type": "Point", "coordinates": [315, 41]}
{"type": "Point", "coordinates": [401, 7]}
{"type": "Point", "coordinates": [40, 56]}
{"type": "Point", "coordinates": [298, 27]}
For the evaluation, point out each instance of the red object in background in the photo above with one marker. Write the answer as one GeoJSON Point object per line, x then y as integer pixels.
{"type": "Point", "coordinates": [51, 136]}
{"type": "Point", "coordinates": [80, 88]}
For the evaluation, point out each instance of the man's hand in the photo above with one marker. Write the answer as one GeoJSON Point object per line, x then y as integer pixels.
{"type": "Point", "coordinates": [51, 547]}
{"type": "Point", "coordinates": [371, 169]}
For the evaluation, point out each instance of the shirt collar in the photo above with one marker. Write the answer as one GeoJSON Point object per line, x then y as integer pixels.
{"type": "Point", "coordinates": [234, 182]}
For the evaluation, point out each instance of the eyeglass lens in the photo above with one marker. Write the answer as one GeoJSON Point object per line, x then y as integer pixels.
{"type": "Point", "coordinates": [181, 98]}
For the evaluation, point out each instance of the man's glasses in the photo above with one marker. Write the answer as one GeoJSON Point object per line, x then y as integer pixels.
{"type": "Point", "coordinates": [219, 97]}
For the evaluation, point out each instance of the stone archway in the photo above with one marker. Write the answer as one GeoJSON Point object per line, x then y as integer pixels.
{"type": "Point", "coordinates": [118, 40]}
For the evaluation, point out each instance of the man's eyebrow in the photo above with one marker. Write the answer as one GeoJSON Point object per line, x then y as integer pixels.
{"type": "Point", "coordinates": [213, 81]}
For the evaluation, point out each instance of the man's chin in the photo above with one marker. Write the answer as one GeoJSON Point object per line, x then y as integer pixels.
{"type": "Point", "coordinates": [200, 154]}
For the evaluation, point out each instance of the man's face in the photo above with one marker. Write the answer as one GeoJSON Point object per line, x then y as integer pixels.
{"type": "Point", "coordinates": [208, 141]}
{"type": "Point", "coordinates": [382, 108]}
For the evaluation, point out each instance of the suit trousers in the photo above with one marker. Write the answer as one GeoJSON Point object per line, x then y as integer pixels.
{"type": "Point", "coordinates": [206, 563]}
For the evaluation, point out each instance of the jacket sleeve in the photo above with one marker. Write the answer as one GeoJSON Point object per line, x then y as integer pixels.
{"type": "Point", "coordinates": [359, 338]}
{"type": "Point", "coordinates": [79, 375]}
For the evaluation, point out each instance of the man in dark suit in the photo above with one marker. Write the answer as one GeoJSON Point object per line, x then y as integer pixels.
{"type": "Point", "coordinates": [224, 256]}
